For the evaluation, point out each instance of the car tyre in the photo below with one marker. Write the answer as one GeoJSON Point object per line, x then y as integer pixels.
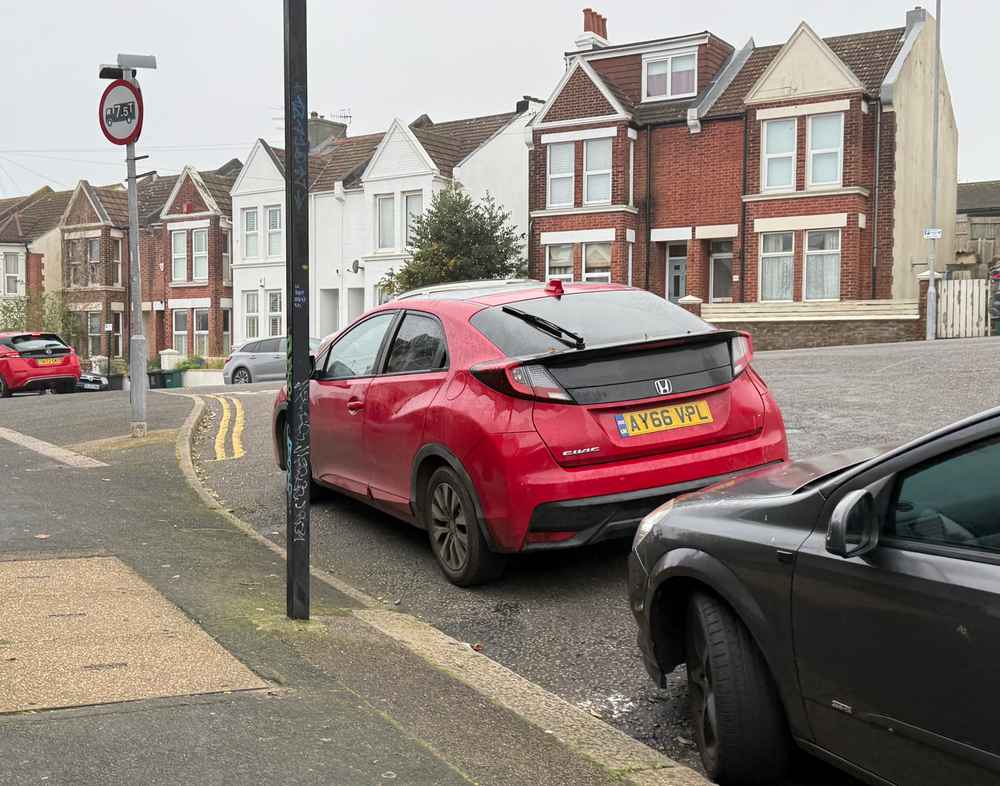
{"type": "Point", "coordinates": [5, 392]}
{"type": "Point", "coordinates": [453, 528]}
{"type": "Point", "coordinates": [738, 720]}
{"type": "Point", "coordinates": [241, 376]}
{"type": "Point", "coordinates": [65, 387]}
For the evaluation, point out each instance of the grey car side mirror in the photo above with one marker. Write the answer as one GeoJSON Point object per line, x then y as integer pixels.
{"type": "Point", "coordinates": [854, 525]}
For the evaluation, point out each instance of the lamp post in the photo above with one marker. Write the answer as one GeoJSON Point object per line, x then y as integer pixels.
{"type": "Point", "coordinates": [120, 115]}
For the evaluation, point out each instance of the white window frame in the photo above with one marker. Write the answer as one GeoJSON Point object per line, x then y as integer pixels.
{"type": "Point", "coordinates": [251, 315]}
{"type": "Point", "coordinates": [199, 334]}
{"type": "Point", "coordinates": [760, 265]}
{"type": "Point", "coordinates": [588, 173]}
{"type": "Point", "coordinates": [255, 234]}
{"type": "Point", "coordinates": [116, 334]}
{"type": "Point", "coordinates": [711, 272]}
{"type": "Point", "coordinates": [838, 150]}
{"type": "Point", "coordinates": [407, 220]}
{"type": "Point", "coordinates": [94, 277]}
{"type": "Point", "coordinates": [765, 156]}
{"type": "Point", "coordinates": [600, 277]}
{"type": "Point", "coordinates": [227, 256]}
{"type": "Point", "coordinates": [175, 257]}
{"type": "Point", "coordinates": [562, 276]}
{"type": "Point", "coordinates": [195, 256]}
{"type": "Point", "coordinates": [17, 275]}
{"type": "Point", "coordinates": [668, 58]}
{"type": "Point", "coordinates": [549, 177]}
{"type": "Point", "coordinates": [806, 253]}
{"type": "Point", "coordinates": [271, 314]}
{"type": "Point", "coordinates": [271, 233]}
{"type": "Point", "coordinates": [379, 200]}
{"type": "Point", "coordinates": [631, 173]}
{"type": "Point", "coordinates": [92, 336]}
{"type": "Point", "coordinates": [174, 332]}
{"type": "Point", "coordinates": [116, 261]}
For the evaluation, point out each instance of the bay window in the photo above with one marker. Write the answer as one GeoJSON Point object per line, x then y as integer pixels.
{"type": "Point", "coordinates": [201, 332]}
{"type": "Point", "coordinates": [116, 261]}
{"type": "Point", "coordinates": [597, 171]}
{"type": "Point", "coordinates": [559, 262]}
{"type": "Point", "coordinates": [670, 76]}
{"type": "Point", "coordinates": [11, 275]}
{"type": "Point", "coordinates": [178, 255]}
{"type": "Point", "coordinates": [227, 258]}
{"type": "Point", "coordinates": [274, 314]}
{"type": "Point", "coordinates": [199, 254]}
{"type": "Point", "coordinates": [251, 317]}
{"type": "Point", "coordinates": [273, 230]}
{"type": "Point", "coordinates": [822, 265]}
{"type": "Point", "coordinates": [826, 149]}
{"type": "Point", "coordinates": [93, 333]}
{"type": "Point", "coordinates": [779, 155]}
{"type": "Point", "coordinates": [180, 331]}
{"type": "Point", "coordinates": [116, 334]}
{"type": "Point", "coordinates": [560, 166]}
{"type": "Point", "coordinates": [597, 262]}
{"type": "Point", "coordinates": [385, 208]}
{"type": "Point", "coordinates": [777, 265]}
{"type": "Point", "coordinates": [250, 232]}
{"type": "Point", "coordinates": [414, 204]}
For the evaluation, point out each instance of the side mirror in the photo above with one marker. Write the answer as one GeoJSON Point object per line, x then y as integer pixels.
{"type": "Point", "coordinates": [854, 526]}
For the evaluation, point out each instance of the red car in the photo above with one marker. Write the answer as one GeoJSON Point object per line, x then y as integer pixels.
{"type": "Point", "coordinates": [36, 361]}
{"type": "Point", "coordinates": [505, 417]}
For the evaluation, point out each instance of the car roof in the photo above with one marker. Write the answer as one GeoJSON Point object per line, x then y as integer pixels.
{"type": "Point", "coordinates": [494, 293]}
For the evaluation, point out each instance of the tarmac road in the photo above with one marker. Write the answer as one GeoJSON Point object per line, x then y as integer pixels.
{"type": "Point", "coordinates": [562, 619]}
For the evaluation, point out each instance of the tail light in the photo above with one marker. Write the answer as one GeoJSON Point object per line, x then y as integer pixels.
{"type": "Point", "coordinates": [741, 351]}
{"type": "Point", "coordinates": [521, 381]}
{"type": "Point", "coordinates": [228, 359]}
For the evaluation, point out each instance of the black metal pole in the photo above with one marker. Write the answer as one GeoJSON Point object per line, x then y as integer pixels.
{"type": "Point", "coordinates": [297, 306]}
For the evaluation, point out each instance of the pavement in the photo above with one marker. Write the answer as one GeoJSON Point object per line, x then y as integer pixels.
{"type": "Point", "coordinates": [561, 620]}
{"type": "Point", "coordinates": [144, 639]}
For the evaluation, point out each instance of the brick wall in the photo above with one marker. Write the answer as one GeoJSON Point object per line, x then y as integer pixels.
{"type": "Point", "coordinates": [580, 97]}
{"type": "Point", "coordinates": [188, 199]}
{"type": "Point", "coordinates": [797, 335]}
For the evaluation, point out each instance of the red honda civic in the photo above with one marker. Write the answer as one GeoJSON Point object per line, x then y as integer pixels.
{"type": "Point", "coordinates": [511, 416]}
{"type": "Point", "coordinates": [36, 361]}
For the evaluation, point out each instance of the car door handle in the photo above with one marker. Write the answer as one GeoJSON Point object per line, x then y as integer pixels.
{"type": "Point", "coordinates": [354, 407]}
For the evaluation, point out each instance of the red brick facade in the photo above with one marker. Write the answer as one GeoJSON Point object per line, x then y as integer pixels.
{"type": "Point", "coordinates": [703, 181]}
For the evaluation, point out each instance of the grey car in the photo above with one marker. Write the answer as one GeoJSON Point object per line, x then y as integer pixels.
{"type": "Point", "coordinates": [259, 360]}
{"type": "Point", "coordinates": [849, 605]}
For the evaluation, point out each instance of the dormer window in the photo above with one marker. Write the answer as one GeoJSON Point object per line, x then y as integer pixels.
{"type": "Point", "coordinates": [666, 76]}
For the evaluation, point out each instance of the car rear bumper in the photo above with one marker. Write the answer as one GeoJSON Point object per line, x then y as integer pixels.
{"type": "Point", "coordinates": [21, 374]}
{"type": "Point", "coordinates": [594, 519]}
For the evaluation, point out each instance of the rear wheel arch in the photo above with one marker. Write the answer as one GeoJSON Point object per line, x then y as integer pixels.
{"type": "Point", "coordinates": [426, 461]}
{"type": "Point", "coordinates": [279, 438]}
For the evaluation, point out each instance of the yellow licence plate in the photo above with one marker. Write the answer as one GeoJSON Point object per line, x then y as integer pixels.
{"type": "Point", "coordinates": [667, 418]}
{"type": "Point", "coordinates": [49, 361]}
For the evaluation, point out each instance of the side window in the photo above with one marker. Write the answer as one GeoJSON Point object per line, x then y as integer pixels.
{"type": "Point", "coordinates": [419, 346]}
{"type": "Point", "coordinates": [271, 345]}
{"type": "Point", "coordinates": [250, 348]}
{"type": "Point", "coordinates": [354, 354]}
{"type": "Point", "coordinates": [955, 501]}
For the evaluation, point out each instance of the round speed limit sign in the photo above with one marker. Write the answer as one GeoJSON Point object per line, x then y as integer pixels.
{"type": "Point", "coordinates": [120, 112]}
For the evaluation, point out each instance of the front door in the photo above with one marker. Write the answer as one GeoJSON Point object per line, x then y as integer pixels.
{"type": "Point", "coordinates": [897, 650]}
{"type": "Point", "coordinates": [676, 272]}
{"type": "Point", "coordinates": [397, 403]}
{"type": "Point", "coordinates": [338, 394]}
{"type": "Point", "coordinates": [720, 271]}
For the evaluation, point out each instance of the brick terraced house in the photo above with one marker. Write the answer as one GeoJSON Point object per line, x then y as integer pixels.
{"type": "Point", "coordinates": [779, 188]}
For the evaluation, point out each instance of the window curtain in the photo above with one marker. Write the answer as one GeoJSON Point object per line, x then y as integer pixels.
{"type": "Point", "coordinates": [823, 276]}
{"type": "Point", "coordinates": [776, 278]}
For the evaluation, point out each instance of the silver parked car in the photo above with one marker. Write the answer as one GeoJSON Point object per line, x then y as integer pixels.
{"type": "Point", "coordinates": [260, 360]}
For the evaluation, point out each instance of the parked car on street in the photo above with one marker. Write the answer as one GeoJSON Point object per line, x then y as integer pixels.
{"type": "Point", "coordinates": [506, 418]}
{"type": "Point", "coordinates": [36, 361]}
{"type": "Point", "coordinates": [90, 383]}
{"type": "Point", "coordinates": [849, 604]}
{"type": "Point", "coordinates": [259, 360]}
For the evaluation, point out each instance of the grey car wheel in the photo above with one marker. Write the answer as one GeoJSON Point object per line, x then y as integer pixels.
{"type": "Point", "coordinates": [738, 720]}
{"type": "Point", "coordinates": [242, 376]}
{"type": "Point", "coordinates": [453, 528]}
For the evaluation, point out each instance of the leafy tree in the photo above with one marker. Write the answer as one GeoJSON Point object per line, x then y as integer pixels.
{"type": "Point", "coordinates": [457, 239]}
{"type": "Point", "coordinates": [13, 313]}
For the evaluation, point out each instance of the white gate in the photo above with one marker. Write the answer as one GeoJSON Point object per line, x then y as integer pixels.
{"type": "Point", "coordinates": [963, 308]}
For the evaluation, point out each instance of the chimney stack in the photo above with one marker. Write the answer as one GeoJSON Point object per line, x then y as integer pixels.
{"type": "Point", "coordinates": [595, 31]}
{"type": "Point", "coordinates": [918, 14]}
{"type": "Point", "coordinates": [321, 129]}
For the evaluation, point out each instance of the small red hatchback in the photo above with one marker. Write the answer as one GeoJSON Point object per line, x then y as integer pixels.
{"type": "Point", "coordinates": [512, 416]}
{"type": "Point", "coordinates": [36, 361]}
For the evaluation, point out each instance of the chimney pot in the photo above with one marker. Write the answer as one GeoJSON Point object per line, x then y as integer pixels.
{"type": "Point", "coordinates": [588, 20]}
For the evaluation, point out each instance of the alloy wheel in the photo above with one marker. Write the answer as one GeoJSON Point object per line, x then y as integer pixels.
{"type": "Point", "coordinates": [702, 695]}
{"type": "Point", "coordinates": [449, 527]}
{"type": "Point", "coordinates": [241, 377]}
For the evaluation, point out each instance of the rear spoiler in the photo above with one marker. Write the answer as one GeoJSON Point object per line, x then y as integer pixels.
{"type": "Point", "coordinates": [604, 350]}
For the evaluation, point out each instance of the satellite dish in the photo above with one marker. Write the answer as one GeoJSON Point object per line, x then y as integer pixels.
{"type": "Point", "coordinates": [356, 266]}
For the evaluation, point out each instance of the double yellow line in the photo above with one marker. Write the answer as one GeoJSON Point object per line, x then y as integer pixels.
{"type": "Point", "coordinates": [238, 420]}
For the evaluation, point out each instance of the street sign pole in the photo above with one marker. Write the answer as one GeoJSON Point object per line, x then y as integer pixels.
{"type": "Point", "coordinates": [935, 127]}
{"type": "Point", "coordinates": [137, 351]}
{"type": "Point", "coordinates": [297, 305]}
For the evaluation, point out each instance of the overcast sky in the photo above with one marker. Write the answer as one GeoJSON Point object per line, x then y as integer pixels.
{"type": "Point", "coordinates": [219, 82]}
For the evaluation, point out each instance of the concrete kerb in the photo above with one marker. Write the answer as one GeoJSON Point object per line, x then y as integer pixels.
{"type": "Point", "coordinates": [581, 732]}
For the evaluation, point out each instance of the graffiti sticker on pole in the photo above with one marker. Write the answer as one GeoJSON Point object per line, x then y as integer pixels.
{"type": "Point", "coordinates": [120, 112]}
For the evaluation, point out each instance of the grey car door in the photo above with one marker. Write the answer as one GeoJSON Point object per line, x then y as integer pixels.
{"type": "Point", "coordinates": [898, 650]}
{"type": "Point", "coordinates": [271, 359]}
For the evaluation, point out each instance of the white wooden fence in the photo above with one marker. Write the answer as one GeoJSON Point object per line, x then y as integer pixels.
{"type": "Point", "coordinates": [963, 308]}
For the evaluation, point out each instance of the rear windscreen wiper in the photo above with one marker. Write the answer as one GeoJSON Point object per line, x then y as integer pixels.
{"type": "Point", "coordinates": [548, 327]}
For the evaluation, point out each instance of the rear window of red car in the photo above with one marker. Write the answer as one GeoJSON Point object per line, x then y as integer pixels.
{"type": "Point", "coordinates": [33, 343]}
